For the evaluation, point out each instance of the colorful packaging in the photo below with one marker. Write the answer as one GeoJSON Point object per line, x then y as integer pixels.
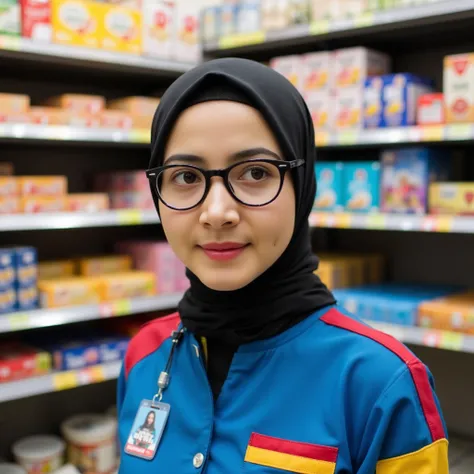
{"type": "Point", "coordinates": [19, 361]}
{"type": "Point", "coordinates": [69, 292]}
{"type": "Point", "coordinates": [316, 71]}
{"type": "Point", "coordinates": [39, 454]}
{"type": "Point", "coordinates": [10, 205]}
{"type": "Point", "coordinates": [227, 19]}
{"type": "Point", "coordinates": [9, 186]}
{"type": "Point", "coordinates": [329, 195]}
{"type": "Point", "coordinates": [91, 202]}
{"type": "Point", "coordinates": [96, 266]}
{"type": "Point", "coordinates": [33, 205]}
{"type": "Point", "coordinates": [458, 87]}
{"type": "Point", "coordinates": [248, 16]}
{"type": "Point", "coordinates": [400, 98]}
{"type": "Point", "coordinates": [188, 46]}
{"type": "Point", "coordinates": [158, 28]}
{"type": "Point", "coordinates": [14, 103]}
{"type": "Point", "coordinates": [373, 102]}
{"type": "Point", "coordinates": [132, 200]}
{"type": "Point", "coordinates": [8, 300]}
{"type": "Point", "coordinates": [210, 20]}
{"type": "Point", "coordinates": [7, 268]}
{"type": "Point", "coordinates": [10, 17]}
{"type": "Point", "coordinates": [290, 67]}
{"type": "Point", "coordinates": [26, 267]}
{"type": "Point", "coordinates": [348, 107]}
{"type": "Point", "coordinates": [76, 22]}
{"type": "Point", "coordinates": [42, 186]}
{"type": "Point", "coordinates": [74, 355]}
{"type": "Point", "coordinates": [14, 118]}
{"type": "Point", "coordinates": [452, 199]}
{"type": "Point", "coordinates": [406, 175]}
{"type": "Point", "coordinates": [56, 269]}
{"type": "Point", "coordinates": [431, 110]}
{"type": "Point", "coordinates": [78, 103]}
{"type": "Point", "coordinates": [36, 20]}
{"type": "Point", "coordinates": [112, 349]}
{"type": "Point", "coordinates": [135, 106]}
{"type": "Point", "coordinates": [123, 181]}
{"type": "Point", "coordinates": [132, 284]}
{"type": "Point", "coordinates": [320, 107]}
{"type": "Point", "coordinates": [49, 116]}
{"type": "Point", "coordinates": [352, 66]}
{"type": "Point", "coordinates": [361, 186]}
{"type": "Point", "coordinates": [322, 10]}
{"type": "Point", "coordinates": [115, 119]}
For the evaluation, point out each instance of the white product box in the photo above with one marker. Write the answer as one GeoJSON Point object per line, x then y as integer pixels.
{"type": "Point", "coordinates": [322, 10]}
{"type": "Point", "coordinates": [316, 70]}
{"type": "Point", "coordinates": [348, 108]}
{"type": "Point", "coordinates": [188, 47]}
{"type": "Point", "coordinates": [158, 28]}
{"type": "Point", "coordinates": [352, 66]}
{"type": "Point", "coordinates": [291, 67]}
{"type": "Point", "coordinates": [248, 16]}
{"type": "Point", "coordinates": [275, 14]}
{"type": "Point", "coordinates": [320, 105]}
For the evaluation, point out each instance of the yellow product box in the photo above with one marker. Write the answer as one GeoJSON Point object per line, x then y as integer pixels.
{"type": "Point", "coordinates": [9, 186]}
{"type": "Point", "coordinates": [14, 103]}
{"type": "Point", "coordinates": [49, 116]}
{"type": "Point", "coordinates": [10, 205]}
{"type": "Point", "coordinates": [334, 274]}
{"type": "Point", "coordinates": [42, 186]}
{"type": "Point", "coordinates": [320, 104]}
{"type": "Point", "coordinates": [121, 29]}
{"type": "Point", "coordinates": [78, 103]}
{"type": "Point", "coordinates": [76, 22]}
{"type": "Point", "coordinates": [69, 292]}
{"type": "Point", "coordinates": [127, 285]}
{"type": "Point", "coordinates": [32, 205]}
{"type": "Point", "coordinates": [96, 266]}
{"type": "Point", "coordinates": [116, 119]}
{"type": "Point", "coordinates": [89, 202]}
{"type": "Point", "coordinates": [452, 198]}
{"type": "Point", "coordinates": [136, 106]}
{"type": "Point", "coordinates": [55, 269]}
{"type": "Point", "coordinates": [353, 266]}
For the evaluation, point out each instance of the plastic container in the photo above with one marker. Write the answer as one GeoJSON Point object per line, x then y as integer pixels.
{"type": "Point", "coordinates": [11, 469]}
{"type": "Point", "coordinates": [91, 442]}
{"type": "Point", "coordinates": [39, 453]}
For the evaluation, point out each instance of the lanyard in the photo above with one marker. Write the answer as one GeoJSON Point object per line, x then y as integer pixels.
{"type": "Point", "coordinates": [164, 378]}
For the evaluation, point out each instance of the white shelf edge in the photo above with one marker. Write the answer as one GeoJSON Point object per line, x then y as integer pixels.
{"type": "Point", "coordinates": [41, 318]}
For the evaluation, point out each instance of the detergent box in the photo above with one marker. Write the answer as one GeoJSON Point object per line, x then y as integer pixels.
{"type": "Point", "coordinates": [400, 98]}
{"type": "Point", "coordinates": [431, 109]}
{"type": "Point", "coordinates": [361, 186]}
{"type": "Point", "coordinates": [329, 178]}
{"type": "Point", "coordinates": [112, 349]}
{"type": "Point", "coordinates": [406, 175]}
{"type": "Point", "coordinates": [373, 102]}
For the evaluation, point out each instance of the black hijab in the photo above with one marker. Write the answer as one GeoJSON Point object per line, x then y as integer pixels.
{"type": "Point", "coordinates": [288, 291]}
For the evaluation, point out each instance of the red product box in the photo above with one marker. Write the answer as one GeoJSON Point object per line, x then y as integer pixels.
{"type": "Point", "coordinates": [18, 361]}
{"type": "Point", "coordinates": [431, 109]}
{"type": "Point", "coordinates": [36, 20]}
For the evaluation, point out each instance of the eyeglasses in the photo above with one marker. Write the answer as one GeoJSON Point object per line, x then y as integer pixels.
{"type": "Point", "coordinates": [253, 183]}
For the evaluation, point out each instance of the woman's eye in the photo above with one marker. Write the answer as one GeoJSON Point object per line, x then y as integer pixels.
{"type": "Point", "coordinates": [255, 173]}
{"type": "Point", "coordinates": [186, 177]}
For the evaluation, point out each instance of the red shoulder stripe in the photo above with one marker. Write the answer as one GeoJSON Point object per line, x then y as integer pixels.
{"type": "Point", "coordinates": [417, 370]}
{"type": "Point", "coordinates": [149, 339]}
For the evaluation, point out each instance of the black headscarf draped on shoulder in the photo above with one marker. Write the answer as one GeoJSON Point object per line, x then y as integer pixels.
{"type": "Point", "coordinates": [288, 291]}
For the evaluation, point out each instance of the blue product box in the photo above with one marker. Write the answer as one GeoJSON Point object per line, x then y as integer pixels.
{"type": "Point", "coordinates": [26, 267]}
{"type": "Point", "coordinates": [248, 16]}
{"type": "Point", "coordinates": [406, 175]}
{"type": "Point", "coordinates": [361, 186]}
{"type": "Point", "coordinates": [7, 268]}
{"type": "Point", "coordinates": [227, 23]}
{"type": "Point", "coordinates": [373, 102]}
{"type": "Point", "coordinates": [27, 298]}
{"type": "Point", "coordinates": [8, 301]}
{"type": "Point", "coordinates": [75, 355]}
{"type": "Point", "coordinates": [400, 98]}
{"type": "Point", "coordinates": [112, 349]}
{"type": "Point", "coordinates": [329, 181]}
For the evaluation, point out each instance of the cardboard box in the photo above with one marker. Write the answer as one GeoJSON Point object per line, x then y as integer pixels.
{"type": "Point", "coordinates": [275, 14]}
{"type": "Point", "coordinates": [458, 88]}
{"type": "Point", "coordinates": [9, 186]}
{"type": "Point", "coordinates": [42, 186]}
{"type": "Point", "coordinates": [126, 285]}
{"type": "Point", "coordinates": [291, 67]}
{"type": "Point", "coordinates": [348, 108]}
{"type": "Point", "coordinates": [135, 106]}
{"type": "Point", "coordinates": [159, 28]}
{"type": "Point", "coordinates": [14, 117]}
{"type": "Point", "coordinates": [430, 110]}
{"type": "Point", "coordinates": [55, 269]}
{"type": "Point", "coordinates": [248, 16]}
{"type": "Point", "coordinates": [316, 71]}
{"type": "Point", "coordinates": [10, 17]}
{"type": "Point", "coordinates": [132, 200]}
{"type": "Point", "coordinates": [330, 194]}
{"type": "Point", "coordinates": [33, 205]}
{"type": "Point", "coordinates": [373, 102]}
{"type": "Point", "coordinates": [452, 199]}
{"type": "Point", "coordinates": [97, 266]}
{"type": "Point", "coordinates": [69, 292]}
{"type": "Point", "coordinates": [76, 22]}
{"type": "Point", "coordinates": [188, 45]}
{"type": "Point", "coordinates": [49, 116]}
{"type": "Point", "coordinates": [14, 103]}
{"type": "Point", "coordinates": [90, 202]}
{"type": "Point", "coordinates": [19, 361]}
{"type": "Point", "coordinates": [210, 22]}
{"type": "Point", "coordinates": [320, 105]}
{"type": "Point", "coordinates": [36, 20]}
{"type": "Point", "coordinates": [10, 205]}
{"type": "Point", "coordinates": [361, 186]}
{"type": "Point", "coordinates": [78, 103]}
{"type": "Point", "coordinates": [115, 119]}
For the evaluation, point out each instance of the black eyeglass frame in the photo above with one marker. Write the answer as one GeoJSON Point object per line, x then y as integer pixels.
{"type": "Point", "coordinates": [283, 167]}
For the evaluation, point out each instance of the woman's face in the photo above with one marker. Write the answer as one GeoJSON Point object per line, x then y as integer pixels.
{"type": "Point", "coordinates": [150, 419]}
{"type": "Point", "coordinates": [214, 133]}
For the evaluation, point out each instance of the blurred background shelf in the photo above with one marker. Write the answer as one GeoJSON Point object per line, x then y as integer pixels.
{"type": "Point", "coordinates": [56, 317]}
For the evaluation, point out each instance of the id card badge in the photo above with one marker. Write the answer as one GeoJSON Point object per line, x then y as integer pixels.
{"type": "Point", "coordinates": [147, 429]}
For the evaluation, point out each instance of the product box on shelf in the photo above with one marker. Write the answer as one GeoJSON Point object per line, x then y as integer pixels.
{"type": "Point", "coordinates": [275, 14]}
{"type": "Point", "coordinates": [65, 292]}
{"type": "Point", "coordinates": [316, 71]}
{"type": "Point", "coordinates": [122, 181]}
{"type": "Point", "coordinates": [458, 87]}
{"type": "Point", "coordinates": [26, 267]}
{"type": "Point", "coordinates": [452, 198]}
{"type": "Point", "coordinates": [112, 349]}
{"type": "Point", "coordinates": [248, 16]}
{"type": "Point", "coordinates": [36, 20]}
{"type": "Point", "coordinates": [7, 268]}
{"type": "Point", "coordinates": [159, 28]}
{"type": "Point", "coordinates": [348, 107]}
{"type": "Point", "coordinates": [431, 110]}
{"type": "Point", "coordinates": [400, 98]}
{"type": "Point", "coordinates": [10, 17]}
{"type": "Point", "coordinates": [33, 205]}
{"type": "Point", "coordinates": [10, 205]}
{"type": "Point", "coordinates": [406, 175]}
{"type": "Point", "coordinates": [14, 103]}
{"type": "Point", "coordinates": [352, 66]}
{"type": "Point", "coordinates": [290, 67]}
{"type": "Point", "coordinates": [9, 186]}
{"type": "Point", "coordinates": [361, 186]}
{"type": "Point", "coordinates": [135, 106]}
{"type": "Point", "coordinates": [330, 194]}
{"type": "Point", "coordinates": [188, 45]}
{"type": "Point", "coordinates": [49, 116]}
{"type": "Point", "coordinates": [320, 107]}
{"type": "Point", "coordinates": [132, 200]}
{"type": "Point", "coordinates": [210, 18]}
{"type": "Point", "coordinates": [42, 186]}
{"type": "Point", "coordinates": [115, 119]}
{"type": "Point", "coordinates": [373, 102]}
{"type": "Point", "coordinates": [18, 361]}
{"type": "Point", "coordinates": [76, 22]}
{"type": "Point", "coordinates": [56, 269]}
{"type": "Point", "coordinates": [227, 18]}
{"type": "Point", "coordinates": [74, 355]}
{"type": "Point", "coordinates": [131, 284]}
{"type": "Point", "coordinates": [90, 202]}
{"type": "Point", "coordinates": [97, 266]}
{"type": "Point", "coordinates": [121, 29]}
{"type": "Point", "coordinates": [78, 103]}
{"type": "Point", "coordinates": [14, 118]}
{"type": "Point", "coordinates": [322, 10]}
{"type": "Point", "coordinates": [8, 299]}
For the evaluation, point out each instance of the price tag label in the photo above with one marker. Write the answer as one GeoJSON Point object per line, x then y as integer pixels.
{"type": "Point", "coordinates": [241, 39]}
{"type": "Point", "coordinates": [365, 20]}
{"type": "Point", "coordinates": [376, 221]}
{"type": "Point", "coordinates": [19, 321]}
{"type": "Point", "coordinates": [65, 380]}
{"type": "Point", "coordinates": [428, 224]}
{"type": "Point", "coordinates": [444, 224]}
{"type": "Point", "coordinates": [319, 27]}
{"type": "Point", "coordinates": [139, 136]}
{"type": "Point", "coordinates": [433, 133]}
{"type": "Point", "coordinates": [322, 139]}
{"type": "Point", "coordinates": [460, 131]}
{"type": "Point", "coordinates": [452, 341]}
{"type": "Point", "coordinates": [431, 339]}
{"type": "Point", "coordinates": [129, 217]}
{"type": "Point", "coordinates": [10, 42]}
{"type": "Point", "coordinates": [347, 137]}
{"type": "Point", "coordinates": [121, 307]}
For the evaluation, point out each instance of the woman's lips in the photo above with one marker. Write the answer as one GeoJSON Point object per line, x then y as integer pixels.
{"type": "Point", "coordinates": [223, 251]}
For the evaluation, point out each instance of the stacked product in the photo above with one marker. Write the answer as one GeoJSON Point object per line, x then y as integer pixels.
{"type": "Point", "coordinates": [163, 29]}
{"type": "Point", "coordinates": [451, 198]}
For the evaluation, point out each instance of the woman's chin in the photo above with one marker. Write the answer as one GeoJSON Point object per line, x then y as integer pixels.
{"type": "Point", "coordinates": [229, 282]}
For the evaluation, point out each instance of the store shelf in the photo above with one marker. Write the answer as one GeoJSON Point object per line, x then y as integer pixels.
{"type": "Point", "coordinates": [28, 50]}
{"type": "Point", "coordinates": [438, 13]}
{"type": "Point", "coordinates": [61, 133]}
{"type": "Point", "coordinates": [58, 381]}
{"type": "Point", "coordinates": [41, 318]}
{"type": "Point", "coordinates": [75, 220]}
{"type": "Point", "coordinates": [449, 340]}
{"type": "Point", "coordinates": [441, 224]}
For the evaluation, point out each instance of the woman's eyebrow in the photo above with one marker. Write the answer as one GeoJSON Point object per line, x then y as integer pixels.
{"type": "Point", "coordinates": [253, 152]}
{"type": "Point", "coordinates": [187, 158]}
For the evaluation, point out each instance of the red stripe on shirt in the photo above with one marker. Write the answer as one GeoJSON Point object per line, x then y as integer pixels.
{"type": "Point", "coordinates": [149, 339]}
{"type": "Point", "coordinates": [306, 450]}
{"type": "Point", "coordinates": [417, 370]}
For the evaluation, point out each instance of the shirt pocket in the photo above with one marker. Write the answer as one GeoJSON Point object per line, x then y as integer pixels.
{"type": "Point", "coordinates": [288, 456]}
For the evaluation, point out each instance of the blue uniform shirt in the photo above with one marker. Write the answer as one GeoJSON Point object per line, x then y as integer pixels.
{"type": "Point", "coordinates": [328, 396]}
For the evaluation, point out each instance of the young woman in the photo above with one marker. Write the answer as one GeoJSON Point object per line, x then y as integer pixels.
{"type": "Point", "coordinates": [261, 372]}
{"type": "Point", "coordinates": [145, 434]}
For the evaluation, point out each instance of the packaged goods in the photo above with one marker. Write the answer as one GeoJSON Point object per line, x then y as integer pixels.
{"type": "Point", "coordinates": [430, 110]}
{"type": "Point", "coordinates": [14, 117]}
{"type": "Point", "coordinates": [158, 28]}
{"type": "Point", "coordinates": [348, 106]}
{"type": "Point", "coordinates": [7, 268]}
{"type": "Point", "coordinates": [36, 20]}
{"type": "Point", "coordinates": [188, 46]}
{"type": "Point", "coordinates": [42, 186]}
{"type": "Point", "coordinates": [84, 120]}
{"type": "Point", "coordinates": [92, 202]}
{"type": "Point", "coordinates": [112, 349]}
{"type": "Point", "coordinates": [248, 16]}
{"type": "Point", "coordinates": [69, 292]}
{"type": "Point", "coordinates": [452, 198]}
{"type": "Point", "coordinates": [322, 10]}
{"type": "Point", "coordinates": [122, 181]}
{"type": "Point", "coordinates": [10, 205]}
{"type": "Point", "coordinates": [55, 269]}
{"type": "Point", "coordinates": [373, 102]}
{"type": "Point", "coordinates": [78, 103]}
{"type": "Point", "coordinates": [74, 355]}
{"type": "Point", "coordinates": [290, 67]}
{"type": "Point", "coordinates": [210, 19]}
{"type": "Point", "coordinates": [227, 19]}
{"type": "Point", "coordinates": [49, 116]}
{"type": "Point", "coordinates": [316, 71]}
{"type": "Point", "coordinates": [97, 266]}
{"type": "Point", "coordinates": [10, 18]}
{"type": "Point", "coordinates": [76, 22]}
{"type": "Point", "coordinates": [275, 14]}
{"type": "Point", "coordinates": [320, 105]}
{"type": "Point", "coordinates": [458, 87]}
{"type": "Point", "coordinates": [33, 205]}
{"type": "Point", "coordinates": [91, 442]}
{"type": "Point", "coordinates": [6, 169]}
{"type": "Point", "coordinates": [406, 175]}
{"type": "Point", "coordinates": [329, 195]}
{"type": "Point", "coordinates": [14, 103]}
{"type": "Point", "coordinates": [8, 298]}
{"type": "Point", "coordinates": [361, 186]}
{"type": "Point", "coordinates": [40, 453]}
{"type": "Point", "coordinates": [132, 200]}
{"type": "Point", "coordinates": [135, 106]}
{"type": "Point", "coordinates": [132, 284]}
{"type": "Point", "coordinates": [9, 186]}
{"type": "Point", "coordinates": [26, 266]}
{"type": "Point", "coordinates": [19, 361]}
{"type": "Point", "coordinates": [115, 119]}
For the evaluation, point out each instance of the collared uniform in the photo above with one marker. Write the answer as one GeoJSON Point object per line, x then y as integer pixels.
{"type": "Point", "coordinates": [328, 396]}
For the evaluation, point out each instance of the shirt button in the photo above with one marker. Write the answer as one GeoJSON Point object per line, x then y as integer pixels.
{"type": "Point", "coordinates": [198, 460]}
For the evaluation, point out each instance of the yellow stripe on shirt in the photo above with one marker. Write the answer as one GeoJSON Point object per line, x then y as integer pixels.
{"type": "Point", "coordinates": [432, 459]}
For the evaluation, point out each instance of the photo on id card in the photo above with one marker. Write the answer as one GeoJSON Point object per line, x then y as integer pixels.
{"type": "Point", "coordinates": [147, 429]}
